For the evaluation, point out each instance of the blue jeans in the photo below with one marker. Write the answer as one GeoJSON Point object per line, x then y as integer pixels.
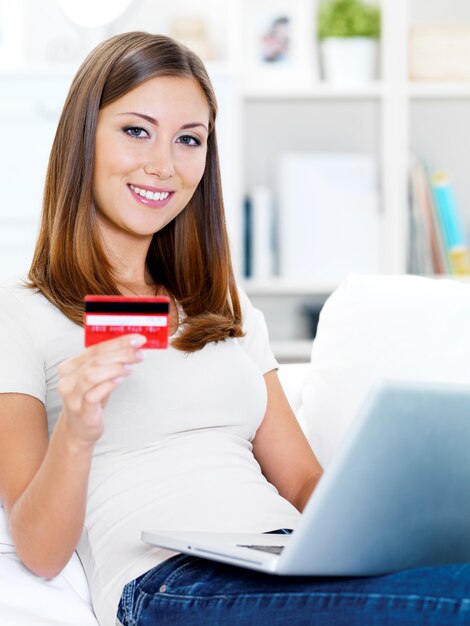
{"type": "Point", "coordinates": [189, 591]}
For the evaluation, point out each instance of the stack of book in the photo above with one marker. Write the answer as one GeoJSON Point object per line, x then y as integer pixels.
{"type": "Point", "coordinates": [438, 240]}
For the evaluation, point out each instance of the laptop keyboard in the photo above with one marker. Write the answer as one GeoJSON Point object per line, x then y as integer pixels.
{"type": "Point", "coordinates": [271, 549]}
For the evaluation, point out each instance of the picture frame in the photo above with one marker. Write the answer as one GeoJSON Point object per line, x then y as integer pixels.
{"type": "Point", "coordinates": [279, 46]}
{"type": "Point", "coordinates": [11, 29]}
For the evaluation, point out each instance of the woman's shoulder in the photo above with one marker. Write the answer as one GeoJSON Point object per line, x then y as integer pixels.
{"type": "Point", "coordinates": [251, 316]}
{"type": "Point", "coordinates": [17, 292]}
{"type": "Point", "coordinates": [13, 290]}
{"type": "Point", "coordinates": [29, 319]}
{"type": "Point", "coordinates": [256, 338]}
{"type": "Point", "coordinates": [24, 304]}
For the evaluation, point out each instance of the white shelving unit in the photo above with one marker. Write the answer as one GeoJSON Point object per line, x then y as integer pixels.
{"type": "Point", "coordinates": [409, 117]}
{"type": "Point", "coordinates": [283, 287]}
{"type": "Point", "coordinates": [318, 92]}
{"type": "Point", "coordinates": [433, 91]}
{"type": "Point", "coordinates": [384, 104]}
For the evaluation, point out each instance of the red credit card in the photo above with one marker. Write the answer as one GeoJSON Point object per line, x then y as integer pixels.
{"type": "Point", "coordinates": [107, 317]}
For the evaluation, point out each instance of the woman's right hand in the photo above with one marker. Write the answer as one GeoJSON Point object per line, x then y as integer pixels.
{"type": "Point", "coordinates": [87, 380]}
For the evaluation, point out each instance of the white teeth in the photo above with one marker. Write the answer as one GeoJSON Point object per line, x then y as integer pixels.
{"type": "Point", "coordinates": [150, 195]}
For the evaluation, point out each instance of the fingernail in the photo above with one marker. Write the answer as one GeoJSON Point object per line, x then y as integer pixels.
{"type": "Point", "coordinates": [127, 366]}
{"type": "Point", "coordinates": [139, 355]}
{"type": "Point", "coordinates": [118, 380]}
{"type": "Point", "coordinates": [138, 341]}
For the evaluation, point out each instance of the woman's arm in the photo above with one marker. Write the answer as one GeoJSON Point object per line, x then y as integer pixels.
{"type": "Point", "coordinates": [281, 449]}
{"type": "Point", "coordinates": [43, 484]}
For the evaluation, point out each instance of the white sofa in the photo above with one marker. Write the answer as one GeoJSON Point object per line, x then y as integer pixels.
{"type": "Point", "coordinates": [370, 328]}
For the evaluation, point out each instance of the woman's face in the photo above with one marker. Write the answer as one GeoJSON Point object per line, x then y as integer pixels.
{"type": "Point", "coordinates": [150, 155]}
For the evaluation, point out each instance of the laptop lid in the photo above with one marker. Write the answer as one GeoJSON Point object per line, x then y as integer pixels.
{"type": "Point", "coordinates": [397, 494]}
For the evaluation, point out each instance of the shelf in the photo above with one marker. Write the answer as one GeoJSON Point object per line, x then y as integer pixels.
{"type": "Point", "coordinates": [321, 91]}
{"type": "Point", "coordinates": [285, 287]}
{"type": "Point", "coordinates": [432, 90]}
{"type": "Point", "coordinates": [293, 350]}
{"type": "Point", "coordinates": [456, 277]}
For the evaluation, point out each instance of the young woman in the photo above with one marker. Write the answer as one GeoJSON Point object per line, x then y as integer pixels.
{"type": "Point", "coordinates": [97, 444]}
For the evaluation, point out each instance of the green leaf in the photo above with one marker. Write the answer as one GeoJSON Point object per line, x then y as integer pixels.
{"type": "Point", "coordinates": [348, 18]}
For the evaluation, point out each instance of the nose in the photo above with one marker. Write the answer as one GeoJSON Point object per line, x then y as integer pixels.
{"type": "Point", "coordinates": [160, 162]}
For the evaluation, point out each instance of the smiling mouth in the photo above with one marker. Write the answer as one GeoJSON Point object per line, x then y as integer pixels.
{"type": "Point", "coordinates": [150, 198]}
{"type": "Point", "coordinates": [150, 195]}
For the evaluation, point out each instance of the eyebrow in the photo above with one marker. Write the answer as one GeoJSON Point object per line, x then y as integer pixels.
{"type": "Point", "coordinates": [154, 121]}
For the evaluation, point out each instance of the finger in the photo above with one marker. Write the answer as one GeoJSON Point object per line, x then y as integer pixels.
{"type": "Point", "coordinates": [125, 355]}
{"type": "Point", "coordinates": [75, 385]}
{"type": "Point", "coordinates": [100, 394]}
{"type": "Point", "coordinates": [84, 398]}
{"type": "Point", "coordinates": [94, 376]}
{"type": "Point", "coordinates": [133, 341]}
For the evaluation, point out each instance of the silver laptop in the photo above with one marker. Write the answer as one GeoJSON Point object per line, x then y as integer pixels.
{"type": "Point", "coordinates": [396, 496]}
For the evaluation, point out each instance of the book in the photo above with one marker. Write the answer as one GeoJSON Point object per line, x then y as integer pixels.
{"type": "Point", "coordinates": [258, 234]}
{"type": "Point", "coordinates": [247, 238]}
{"type": "Point", "coordinates": [453, 233]}
{"type": "Point", "coordinates": [419, 253]}
{"type": "Point", "coordinates": [262, 232]}
{"type": "Point", "coordinates": [427, 250]}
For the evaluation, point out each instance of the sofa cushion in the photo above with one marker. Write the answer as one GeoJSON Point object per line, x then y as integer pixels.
{"type": "Point", "coordinates": [374, 327]}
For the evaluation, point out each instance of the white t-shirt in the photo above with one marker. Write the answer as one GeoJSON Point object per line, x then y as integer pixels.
{"type": "Point", "coordinates": [176, 452]}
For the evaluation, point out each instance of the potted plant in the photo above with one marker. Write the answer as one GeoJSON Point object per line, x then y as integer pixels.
{"type": "Point", "coordinates": [348, 31]}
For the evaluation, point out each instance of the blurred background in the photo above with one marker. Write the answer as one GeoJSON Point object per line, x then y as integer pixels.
{"type": "Point", "coordinates": [344, 134]}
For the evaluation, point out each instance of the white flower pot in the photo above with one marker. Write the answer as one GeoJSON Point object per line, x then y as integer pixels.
{"type": "Point", "coordinates": [349, 60]}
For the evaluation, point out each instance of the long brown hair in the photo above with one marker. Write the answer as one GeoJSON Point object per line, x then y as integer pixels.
{"type": "Point", "coordinates": [190, 257]}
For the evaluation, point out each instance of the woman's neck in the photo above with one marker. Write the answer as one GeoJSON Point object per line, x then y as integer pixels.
{"type": "Point", "coordinates": [137, 288]}
{"type": "Point", "coordinates": [128, 256]}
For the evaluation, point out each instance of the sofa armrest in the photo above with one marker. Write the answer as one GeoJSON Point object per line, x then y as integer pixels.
{"type": "Point", "coordinates": [292, 377]}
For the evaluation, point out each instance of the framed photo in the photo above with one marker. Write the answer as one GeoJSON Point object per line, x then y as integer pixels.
{"type": "Point", "coordinates": [279, 46]}
{"type": "Point", "coordinates": [11, 33]}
